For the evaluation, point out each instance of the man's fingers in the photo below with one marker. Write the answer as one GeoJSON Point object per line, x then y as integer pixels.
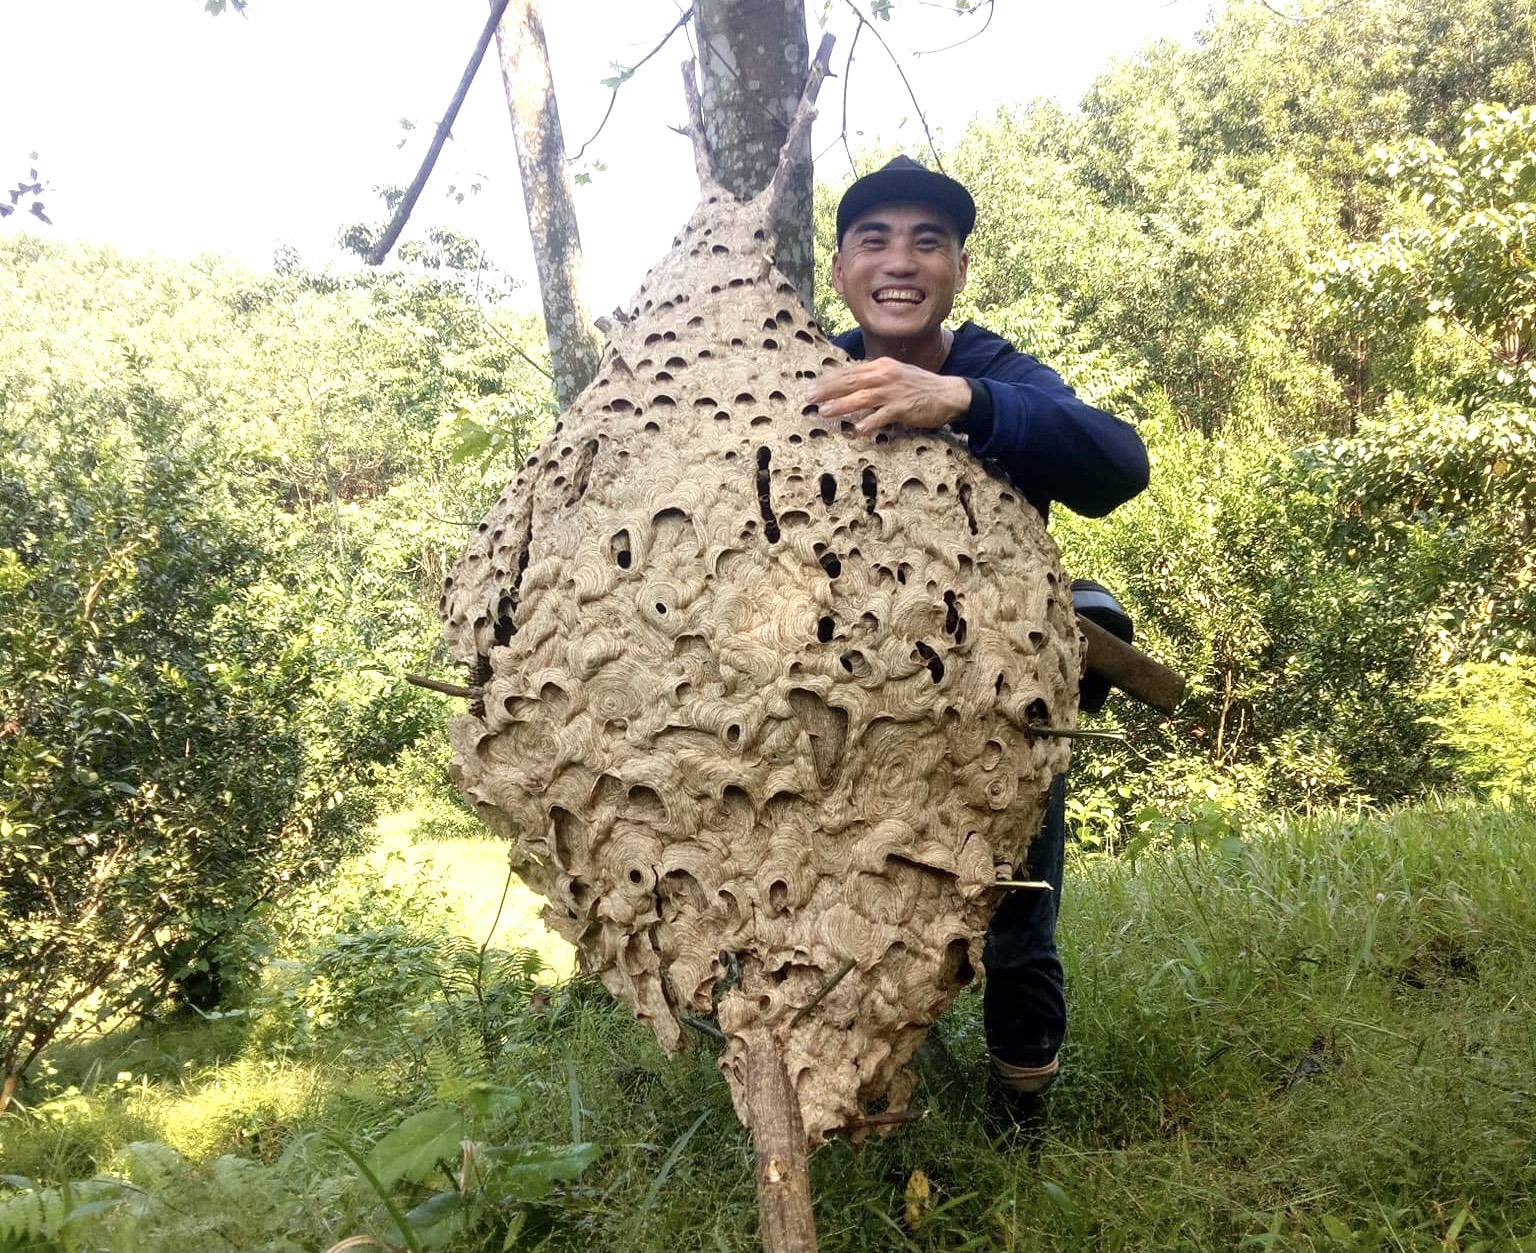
{"type": "Point", "coordinates": [844, 381]}
{"type": "Point", "coordinates": [852, 402]}
{"type": "Point", "coordinates": [884, 416]}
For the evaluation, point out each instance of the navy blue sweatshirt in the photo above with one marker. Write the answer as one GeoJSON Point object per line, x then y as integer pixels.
{"type": "Point", "coordinates": [1052, 445]}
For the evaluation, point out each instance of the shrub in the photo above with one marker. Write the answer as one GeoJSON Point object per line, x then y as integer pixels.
{"type": "Point", "coordinates": [173, 750]}
{"type": "Point", "coordinates": [1485, 717]}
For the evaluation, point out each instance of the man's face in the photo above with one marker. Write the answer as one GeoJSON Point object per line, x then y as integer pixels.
{"type": "Point", "coordinates": [899, 268]}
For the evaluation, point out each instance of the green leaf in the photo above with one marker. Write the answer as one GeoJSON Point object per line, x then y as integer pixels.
{"type": "Point", "coordinates": [90, 1209]}
{"type": "Point", "coordinates": [402, 1223]}
{"type": "Point", "coordinates": [657, 1183]}
{"type": "Point", "coordinates": [413, 1149]}
{"type": "Point", "coordinates": [529, 1173]}
{"type": "Point", "coordinates": [441, 1221]}
{"type": "Point", "coordinates": [474, 439]}
{"type": "Point", "coordinates": [1060, 1198]}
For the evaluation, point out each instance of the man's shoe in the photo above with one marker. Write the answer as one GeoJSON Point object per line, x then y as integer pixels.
{"type": "Point", "coordinates": [1015, 1098]}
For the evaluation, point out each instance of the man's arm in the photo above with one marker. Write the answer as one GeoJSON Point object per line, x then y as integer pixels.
{"type": "Point", "coordinates": [1052, 445]}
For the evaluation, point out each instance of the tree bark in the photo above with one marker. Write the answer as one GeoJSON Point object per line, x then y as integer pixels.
{"type": "Point", "coordinates": [574, 345]}
{"type": "Point", "coordinates": [752, 61]}
{"type": "Point", "coordinates": [787, 1221]}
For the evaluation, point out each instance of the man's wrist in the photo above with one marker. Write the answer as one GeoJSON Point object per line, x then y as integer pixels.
{"type": "Point", "coordinates": [976, 422]}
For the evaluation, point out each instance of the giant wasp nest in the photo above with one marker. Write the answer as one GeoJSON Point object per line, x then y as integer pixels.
{"type": "Point", "coordinates": [757, 695]}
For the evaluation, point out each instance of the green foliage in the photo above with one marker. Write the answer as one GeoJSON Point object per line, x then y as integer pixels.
{"type": "Point", "coordinates": [1485, 715]}
{"type": "Point", "coordinates": [1321, 592]}
{"type": "Point", "coordinates": [228, 502]}
{"type": "Point", "coordinates": [1465, 265]}
{"type": "Point", "coordinates": [401, 1108]}
{"type": "Point", "coordinates": [1284, 1036]}
{"type": "Point", "coordinates": [492, 1186]}
{"type": "Point", "coordinates": [37, 1220]}
{"type": "Point", "coordinates": [1442, 506]}
{"type": "Point", "coordinates": [167, 754]}
{"type": "Point", "coordinates": [1340, 505]}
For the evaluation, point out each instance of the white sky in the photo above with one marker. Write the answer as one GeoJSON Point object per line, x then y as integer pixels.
{"type": "Point", "coordinates": [159, 127]}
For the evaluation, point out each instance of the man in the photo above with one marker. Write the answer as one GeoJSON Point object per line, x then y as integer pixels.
{"type": "Point", "coordinates": [899, 264]}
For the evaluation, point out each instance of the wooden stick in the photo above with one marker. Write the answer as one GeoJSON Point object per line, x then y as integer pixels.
{"type": "Point", "coordinates": [799, 126]}
{"type": "Point", "coordinates": [702, 1026]}
{"type": "Point", "coordinates": [447, 689]}
{"type": "Point", "coordinates": [892, 1118]}
{"type": "Point", "coordinates": [701, 162]}
{"type": "Point", "coordinates": [838, 976]}
{"type": "Point", "coordinates": [1130, 669]}
{"type": "Point", "coordinates": [786, 1218]}
{"type": "Point", "coordinates": [1070, 733]}
{"type": "Point", "coordinates": [381, 249]}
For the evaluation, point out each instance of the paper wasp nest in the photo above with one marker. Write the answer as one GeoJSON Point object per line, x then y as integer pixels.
{"type": "Point", "coordinates": [756, 692]}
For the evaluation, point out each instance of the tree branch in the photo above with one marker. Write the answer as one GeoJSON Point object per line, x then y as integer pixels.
{"type": "Point", "coordinates": [799, 125]}
{"type": "Point", "coordinates": [447, 689]}
{"type": "Point", "coordinates": [696, 130]}
{"type": "Point", "coordinates": [912, 95]}
{"type": "Point", "coordinates": [381, 249]}
{"type": "Point", "coordinates": [960, 43]}
{"type": "Point", "coordinates": [625, 77]}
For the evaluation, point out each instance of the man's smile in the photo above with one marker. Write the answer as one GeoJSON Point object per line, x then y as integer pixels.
{"type": "Point", "coordinates": [898, 296]}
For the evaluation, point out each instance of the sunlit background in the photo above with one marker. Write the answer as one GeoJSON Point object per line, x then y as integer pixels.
{"type": "Point", "coordinates": [158, 126]}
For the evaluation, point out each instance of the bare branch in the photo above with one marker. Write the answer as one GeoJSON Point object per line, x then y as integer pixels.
{"type": "Point", "coordinates": [991, 7]}
{"type": "Point", "coordinates": [1302, 19]}
{"type": "Point", "coordinates": [625, 77]}
{"type": "Point", "coordinates": [799, 125]}
{"type": "Point", "coordinates": [513, 345]}
{"type": "Point", "coordinates": [496, 330]}
{"type": "Point", "coordinates": [696, 130]}
{"type": "Point", "coordinates": [847, 76]}
{"type": "Point", "coordinates": [381, 249]}
{"type": "Point", "coordinates": [912, 95]}
{"type": "Point", "coordinates": [823, 992]}
{"type": "Point", "coordinates": [447, 689]}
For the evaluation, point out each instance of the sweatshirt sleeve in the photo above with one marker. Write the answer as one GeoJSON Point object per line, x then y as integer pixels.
{"type": "Point", "coordinates": [1053, 445]}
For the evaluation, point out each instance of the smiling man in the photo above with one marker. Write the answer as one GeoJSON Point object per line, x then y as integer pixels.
{"type": "Point", "coordinates": [899, 264]}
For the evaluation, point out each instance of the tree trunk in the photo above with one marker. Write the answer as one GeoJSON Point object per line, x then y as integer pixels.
{"type": "Point", "coordinates": [574, 346]}
{"type": "Point", "coordinates": [752, 60]}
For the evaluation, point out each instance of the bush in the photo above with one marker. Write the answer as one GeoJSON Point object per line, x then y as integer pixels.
{"type": "Point", "coordinates": [174, 750]}
{"type": "Point", "coordinates": [1313, 597]}
{"type": "Point", "coordinates": [1485, 716]}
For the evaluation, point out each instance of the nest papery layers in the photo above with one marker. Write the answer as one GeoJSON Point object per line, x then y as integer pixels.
{"type": "Point", "coordinates": [756, 693]}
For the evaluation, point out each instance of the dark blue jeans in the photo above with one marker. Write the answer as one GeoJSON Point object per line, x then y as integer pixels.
{"type": "Point", "coordinates": [1024, 1007]}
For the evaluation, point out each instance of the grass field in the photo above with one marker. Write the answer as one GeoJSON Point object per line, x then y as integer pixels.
{"type": "Point", "coordinates": [1319, 1036]}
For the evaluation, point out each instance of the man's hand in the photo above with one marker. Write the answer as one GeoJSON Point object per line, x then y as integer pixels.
{"type": "Point", "coordinates": [891, 394]}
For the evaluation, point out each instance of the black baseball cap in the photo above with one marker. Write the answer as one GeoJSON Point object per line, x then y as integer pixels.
{"type": "Point", "coordinates": [904, 180]}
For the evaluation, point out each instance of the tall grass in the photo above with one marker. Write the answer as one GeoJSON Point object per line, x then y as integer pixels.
{"type": "Point", "coordinates": [1313, 1036]}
